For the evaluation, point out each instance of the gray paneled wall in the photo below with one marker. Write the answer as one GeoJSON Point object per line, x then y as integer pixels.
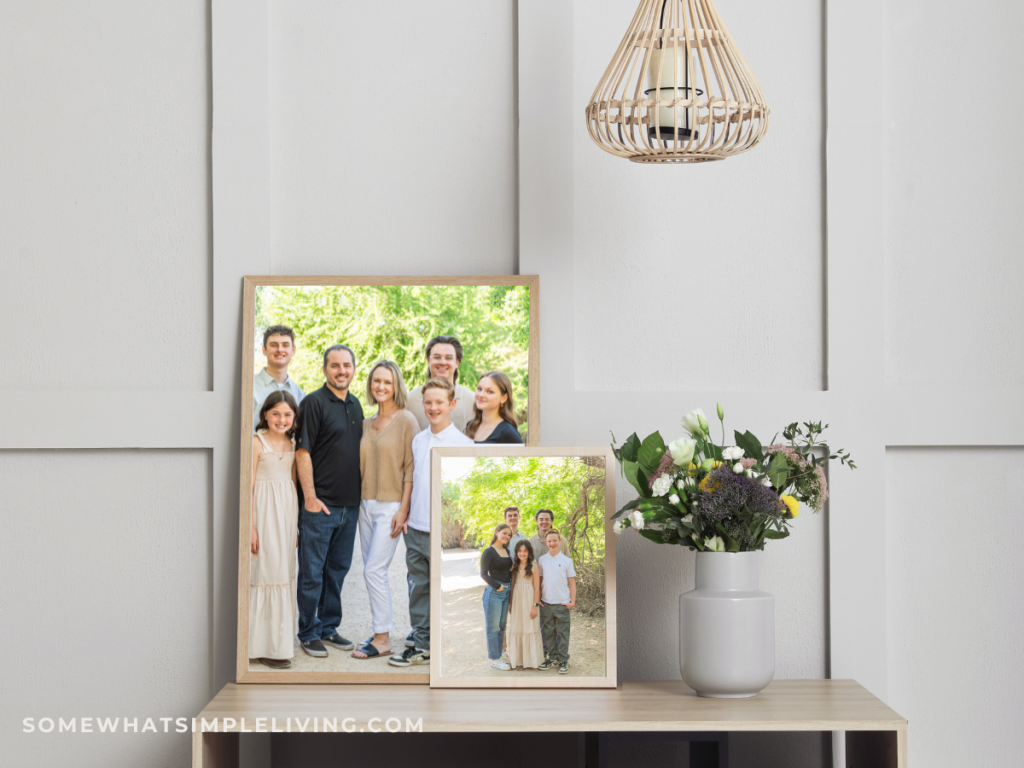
{"type": "Point", "coordinates": [451, 140]}
{"type": "Point", "coordinates": [107, 560]}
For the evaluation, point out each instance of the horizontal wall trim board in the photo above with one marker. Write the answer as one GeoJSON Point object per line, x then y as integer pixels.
{"type": "Point", "coordinates": [145, 419]}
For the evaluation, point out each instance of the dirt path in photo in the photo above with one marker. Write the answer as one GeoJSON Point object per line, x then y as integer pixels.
{"type": "Point", "coordinates": [357, 626]}
{"type": "Point", "coordinates": [464, 642]}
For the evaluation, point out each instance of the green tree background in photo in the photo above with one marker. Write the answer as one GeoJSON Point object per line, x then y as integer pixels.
{"type": "Point", "coordinates": [571, 487]}
{"type": "Point", "coordinates": [395, 323]}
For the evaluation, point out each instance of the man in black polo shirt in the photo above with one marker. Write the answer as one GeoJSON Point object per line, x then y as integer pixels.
{"type": "Point", "coordinates": [327, 457]}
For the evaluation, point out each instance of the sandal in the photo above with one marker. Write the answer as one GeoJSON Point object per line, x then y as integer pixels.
{"type": "Point", "coordinates": [369, 649]}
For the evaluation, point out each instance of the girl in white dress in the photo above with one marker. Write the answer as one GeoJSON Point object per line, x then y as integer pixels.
{"type": "Point", "coordinates": [273, 535]}
{"type": "Point", "coordinates": [525, 643]}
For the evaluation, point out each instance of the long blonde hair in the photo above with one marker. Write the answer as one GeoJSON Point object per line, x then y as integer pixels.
{"type": "Point", "coordinates": [506, 410]}
{"type": "Point", "coordinates": [401, 395]}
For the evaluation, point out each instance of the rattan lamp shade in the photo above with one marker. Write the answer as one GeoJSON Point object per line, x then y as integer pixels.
{"type": "Point", "coordinates": [677, 89]}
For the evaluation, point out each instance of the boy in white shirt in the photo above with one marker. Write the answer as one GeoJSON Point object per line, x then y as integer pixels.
{"type": "Point", "coordinates": [558, 596]}
{"type": "Point", "coordinates": [438, 401]}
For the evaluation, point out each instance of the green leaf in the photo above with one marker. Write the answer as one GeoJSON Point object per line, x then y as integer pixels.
{"type": "Point", "coordinates": [643, 488]}
{"type": "Point", "coordinates": [631, 505]}
{"type": "Point", "coordinates": [776, 534]}
{"type": "Point", "coordinates": [654, 536]}
{"type": "Point", "coordinates": [630, 448]}
{"type": "Point", "coordinates": [751, 445]}
{"type": "Point", "coordinates": [635, 477]}
{"type": "Point", "coordinates": [778, 472]}
{"type": "Point", "coordinates": [650, 452]}
{"type": "Point", "coordinates": [731, 544]}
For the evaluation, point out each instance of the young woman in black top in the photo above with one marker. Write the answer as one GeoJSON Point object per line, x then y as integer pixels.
{"type": "Point", "coordinates": [494, 414]}
{"type": "Point", "coordinates": [496, 571]}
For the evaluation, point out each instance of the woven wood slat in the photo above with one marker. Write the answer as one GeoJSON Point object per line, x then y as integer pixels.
{"type": "Point", "coordinates": [677, 89]}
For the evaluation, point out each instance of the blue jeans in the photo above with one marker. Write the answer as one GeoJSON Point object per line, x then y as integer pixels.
{"type": "Point", "coordinates": [325, 556]}
{"type": "Point", "coordinates": [495, 616]}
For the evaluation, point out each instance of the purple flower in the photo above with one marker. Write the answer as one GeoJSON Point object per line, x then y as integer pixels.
{"type": "Point", "coordinates": [724, 494]}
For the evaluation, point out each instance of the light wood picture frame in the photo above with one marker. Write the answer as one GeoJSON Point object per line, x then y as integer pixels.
{"type": "Point", "coordinates": [442, 673]}
{"type": "Point", "coordinates": [377, 670]}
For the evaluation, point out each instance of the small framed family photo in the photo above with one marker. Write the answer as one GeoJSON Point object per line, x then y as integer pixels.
{"type": "Point", "coordinates": [523, 568]}
{"type": "Point", "coordinates": [346, 384]}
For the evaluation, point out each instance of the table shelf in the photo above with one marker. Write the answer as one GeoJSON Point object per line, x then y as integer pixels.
{"type": "Point", "coordinates": [876, 735]}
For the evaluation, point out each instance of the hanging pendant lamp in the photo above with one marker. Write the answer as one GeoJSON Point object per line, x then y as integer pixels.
{"type": "Point", "coordinates": [677, 89]}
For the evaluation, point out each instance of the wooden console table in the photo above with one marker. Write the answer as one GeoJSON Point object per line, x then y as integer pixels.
{"type": "Point", "coordinates": [875, 734]}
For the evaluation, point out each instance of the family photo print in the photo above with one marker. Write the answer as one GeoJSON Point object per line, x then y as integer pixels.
{"type": "Point", "coordinates": [347, 385]}
{"type": "Point", "coordinates": [522, 567]}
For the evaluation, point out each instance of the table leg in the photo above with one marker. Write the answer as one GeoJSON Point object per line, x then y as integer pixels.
{"type": "Point", "coordinates": [211, 749]}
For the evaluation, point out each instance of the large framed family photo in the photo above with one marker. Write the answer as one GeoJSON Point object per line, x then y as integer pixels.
{"type": "Point", "coordinates": [347, 382]}
{"type": "Point", "coordinates": [523, 567]}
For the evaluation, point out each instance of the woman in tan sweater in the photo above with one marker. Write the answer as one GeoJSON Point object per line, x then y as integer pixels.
{"type": "Point", "coordinates": [385, 465]}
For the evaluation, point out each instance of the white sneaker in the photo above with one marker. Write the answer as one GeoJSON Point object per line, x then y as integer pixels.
{"type": "Point", "coordinates": [499, 664]}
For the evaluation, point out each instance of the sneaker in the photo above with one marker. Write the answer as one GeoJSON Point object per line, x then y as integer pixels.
{"type": "Point", "coordinates": [410, 640]}
{"type": "Point", "coordinates": [499, 664]}
{"type": "Point", "coordinates": [563, 668]}
{"type": "Point", "coordinates": [339, 642]}
{"type": "Point", "coordinates": [546, 664]}
{"type": "Point", "coordinates": [409, 657]}
{"type": "Point", "coordinates": [314, 648]}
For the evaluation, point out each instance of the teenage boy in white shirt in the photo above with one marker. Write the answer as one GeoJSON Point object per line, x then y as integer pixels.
{"type": "Point", "coordinates": [558, 596]}
{"type": "Point", "coordinates": [438, 401]}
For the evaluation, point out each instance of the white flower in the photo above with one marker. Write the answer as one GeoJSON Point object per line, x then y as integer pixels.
{"type": "Point", "coordinates": [619, 525]}
{"type": "Point", "coordinates": [714, 544]}
{"type": "Point", "coordinates": [692, 422]}
{"type": "Point", "coordinates": [732, 453]}
{"type": "Point", "coordinates": [748, 472]}
{"type": "Point", "coordinates": [687, 519]}
{"type": "Point", "coordinates": [674, 499]}
{"type": "Point", "coordinates": [767, 483]}
{"type": "Point", "coordinates": [682, 450]}
{"type": "Point", "coordinates": [737, 468]}
{"type": "Point", "coordinates": [637, 517]}
{"type": "Point", "coordinates": [681, 482]}
{"type": "Point", "coordinates": [662, 485]}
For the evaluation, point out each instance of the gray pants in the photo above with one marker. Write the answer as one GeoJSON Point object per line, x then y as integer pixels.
{"type": "Point", "coordinates": [417, 560]}
{"type": "Point", "coordinates": [554, 631]}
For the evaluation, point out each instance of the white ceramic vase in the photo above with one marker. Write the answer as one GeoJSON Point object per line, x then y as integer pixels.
{"type": "Point", "coordinates": [727, 628]}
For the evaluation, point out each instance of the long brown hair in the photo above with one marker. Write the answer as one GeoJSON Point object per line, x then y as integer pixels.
{"type": "Point", "coordinates": [276, 398]}
{"type": "Point", "coordinates": [506, 410]}
{"type": "Point", "coordinates": [497, 530]}
{"type": "Point", "coordinates": [529, 559]}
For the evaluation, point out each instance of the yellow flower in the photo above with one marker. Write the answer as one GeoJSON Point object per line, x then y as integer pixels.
{"type": "Point", "coordinates": [710, 484]}
{"type": "Point", "coordinates": [791, 504]}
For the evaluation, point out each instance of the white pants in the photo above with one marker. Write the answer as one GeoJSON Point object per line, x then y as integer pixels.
{"type": "Point", "coordinates": [378, 551]}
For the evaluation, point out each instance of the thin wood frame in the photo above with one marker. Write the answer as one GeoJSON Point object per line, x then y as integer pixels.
{"type": "Point", "coordinates": [610, 677]}
{"type": "Point", "coordinates": [249, 285]}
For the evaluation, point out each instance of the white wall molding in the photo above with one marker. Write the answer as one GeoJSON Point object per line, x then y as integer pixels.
{"type": "Point", "coordinates": [241, 245]}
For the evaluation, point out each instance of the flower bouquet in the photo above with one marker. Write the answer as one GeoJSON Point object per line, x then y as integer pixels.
{"type": "Point", "coordinates": [722, 498]}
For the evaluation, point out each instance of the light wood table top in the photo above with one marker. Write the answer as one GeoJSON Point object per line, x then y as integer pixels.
{"type": "Point", "coordinates": [785, 705]}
